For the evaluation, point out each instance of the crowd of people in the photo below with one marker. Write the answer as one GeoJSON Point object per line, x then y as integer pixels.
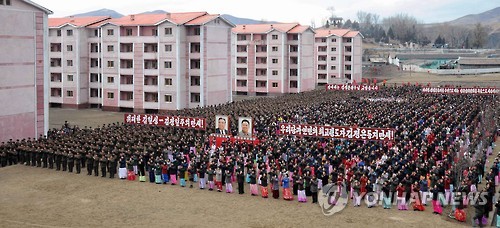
{"type": "Point", "coordinates": [440, 146]}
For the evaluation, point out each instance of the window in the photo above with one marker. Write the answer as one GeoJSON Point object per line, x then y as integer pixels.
{"type": "Point", "coordinates": [293, 84]}
{"type": "Point", "coordinates": [242, 37]}
{"type": "Point", "coordinates": [168, 98]}
{"type": "Point", "coordinates": [94, 78]}
{"type": "Point", "coordinates": [111, 32]}
{"type": "Point", "coordinates": [275, 60]}
{"type": "Point", "coordinates": [111, 80]}
{"type": "Point", "coordinates": [241, 83]}
{"type": "Point", "coordinates": [69, 62]}
{"type": "Point", "coordinates": [128, 32]}
{"type": "Point", "coordinates": [111, 95]}
{"type": "Point", "coordinates": [195, 97]}
{"type": "Point", "coordinates": [58, 32]}
{"type": "Point", "coordinates": [260, 84]}
{"type": "Point", "coordinates": [69, 47]}
{"type": "Point", "coordinates": [275, 72]}
{"type": "Point", "coordinates": [168, 48]}
{"type": "Point", "coordinates": [111, 64]}
{"type": "Point", "coordinates": [333, 67]}
{"type": "Point", "coordinates": [155, 32]}
{"type": "Point", "coordinates": [274, 37]}
{"type": "Point", "coordinates": [333, 58]}
{"type": "Point", "coordinates": [168, 81]}
{"type": "Point", "coordinates": [323, 40]}
{"type": "Point", "coordinates": [334, 49]}
{"type": "Point", "coordinates": [111, 48]}
{"type": "Point", "coordinates": [94, 93]}
{"type": "Point", "coordinates": [334, 40]}
{"type": "Point", "coordinates": [70, 77]}
{"type": "Point", "coordinates": [168, 31]}
{"type": "Point", "coordinates": [96, 32]}
{"type": "Point", "coordinates": [275, 85]}
{"type": "Point", "coordinates": [168, 64]}
{"type": "Point", "coordinates": [275, 48]}
{"type": "Point", "coordinates": [195, 64]}
{"type": "Point", "coordinates": [69, 93]}
{"type": "Point", "coordinates": [195, 80]}
{"type": "Point", "coordinates": [7, 2]}
{"type": "Point", "coordinates": [197, 31]}
{"type": "Point", "coordinates": [69, 32]}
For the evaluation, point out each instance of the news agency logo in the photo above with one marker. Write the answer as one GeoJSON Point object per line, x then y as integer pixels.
{"type": "Point", "coordinates": [332, 198]}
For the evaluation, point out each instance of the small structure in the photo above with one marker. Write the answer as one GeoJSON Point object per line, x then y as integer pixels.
{"type": "Point", "coordinates": [478, 63]}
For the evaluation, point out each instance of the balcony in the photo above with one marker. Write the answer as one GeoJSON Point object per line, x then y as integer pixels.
{"type": "Point", "coordinates": [150, 88]}
{"type": "Point", "coordinates": [127, 103]}
{"type": "Point", "coordinates": [127, 87]}
{"type": "Point", "coordinates": [95, 100]}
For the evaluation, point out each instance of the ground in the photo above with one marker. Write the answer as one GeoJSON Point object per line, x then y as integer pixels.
{"type": "Point", "coordinates": [36, 197]}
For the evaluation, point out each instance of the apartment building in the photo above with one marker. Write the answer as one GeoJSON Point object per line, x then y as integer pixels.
{"type": "Point", "coordinates": [273, 59]}
{"type": "Point", "coordinates": [145, 63]}
{"type": "Point", "coordinates": [69, 60]}
{"type": "Point", "coordinates": [24, 70]}
{"type": "Point", "coordinates": [338, 56]}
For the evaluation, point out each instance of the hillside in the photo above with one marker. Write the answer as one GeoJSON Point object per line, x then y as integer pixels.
{"type": "Point", "coordinates": [488, 17]}
{"type": "Point", "coordinates": [101, 12]}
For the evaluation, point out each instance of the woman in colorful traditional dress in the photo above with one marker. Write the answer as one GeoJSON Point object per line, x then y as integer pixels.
{"type": "Point", "coordinates": [210, 174]}
{"type": "Point", "coordinates": [253, 184]}
{"type": "Point", "coordinates": [263, 185]}
{"type": "Point", "coordinates": [151, 167]}
{"type": "Point", "coordinates": [287, 194]}
{"type": "Point", "coordinates": [130, 170]}
{"type": "Point", "coordinates": [401, 197]}
{"type": "Point", "coordinates": [436, 205]}
{"type": "Point", "coordinates": [218, 178]}
{"type": "Point", "coordinates": [164, 172]}
{"type": "Point", "coordinates": [141, 164]}
{"type": "Point", "coordinates": [172, 171]}
{"type": "Point", "coordinates": [229, 184]}
{"type": "Point", "coordinates": [158, 169]}
{"type": "Point", "coordinates": [415, 195]}
{"type": "Point", "coordinates": [122, 171]}
{"type": "Point", "coordinates": [183, 173]}
{"type": "Point", "coordinates": [386, 195]}
{"type": "Point", "coordinates": [275, 186]}
{"type": "Point", "coordinates": [301, 192]}
{"type": "Point", "coordinates": [201, 174]}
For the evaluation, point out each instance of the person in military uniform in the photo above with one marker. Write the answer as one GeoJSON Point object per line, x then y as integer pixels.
{"type": "Point", "coordinates": [90, 163]}
{"type": "Point", "coordinates": [96, 165]}
{"type": "Point", "coordinates": [71, 162]}
{"type": "Point", "coordinates": [112, 165]}
{"type": "Point", "coordinates": [50, 158]}
{"type": "Point", "coordinates": [78, 162]}
{"type": "Point", "coordinates": [104, 164]}
{"type": "Point", "coordinates": [58, 160]}
{"type": "Point", "coordinates": [64, 159]}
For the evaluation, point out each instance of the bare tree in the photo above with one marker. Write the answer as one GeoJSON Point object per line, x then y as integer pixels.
{"type": "Point", "coordinates": [479, 36]}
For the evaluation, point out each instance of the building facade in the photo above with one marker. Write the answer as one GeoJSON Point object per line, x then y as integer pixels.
{"type": "Point", "coordinates": [69, 60]}
{"type": "Point", "coordinates": [160, 62]}
{"type": "Point", "coordinates": [273, 59]}
{"type": "Point", "coordinates": [338, 56]}
{"type": "Point", "coordinates": [24, 67]}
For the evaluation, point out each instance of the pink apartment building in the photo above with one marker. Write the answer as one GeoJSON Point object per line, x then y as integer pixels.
{"type": "Point", "coordinates": [338, 55]}
{"type": "Point", "coordinates": [273, 59]}
{"type": "Point", "coordinates": [24, 70]}
{"type": "Point", "coordinates": [69, 60]}
{"type": "Point", "coordinates": [169, 61]}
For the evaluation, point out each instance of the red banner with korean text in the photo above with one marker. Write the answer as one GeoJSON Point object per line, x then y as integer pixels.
{"type": "Point", "coordinates": [346, 87]}
{"type": "Point", "coordinates": [168, 121]}
{"type": "Point", "coordinates": [485, 91]}
{"type": "Point", "coordinates": [356, 133]}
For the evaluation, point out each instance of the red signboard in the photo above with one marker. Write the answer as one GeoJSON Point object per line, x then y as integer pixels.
{"type": "Point", "coordinates": [460, 90]}
{"type": "Point", "coordinates": [169, 121]}
{"type": "Point", "coordinates": [219, 139]}
{"type": "Point", "coordinates": [351, 87]}
{"type": "Point", "coordinates": [356, 133]}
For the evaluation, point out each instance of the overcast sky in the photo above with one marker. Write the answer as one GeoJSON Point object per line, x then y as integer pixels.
{"type": "Point", "coordinates": [303, 11]}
